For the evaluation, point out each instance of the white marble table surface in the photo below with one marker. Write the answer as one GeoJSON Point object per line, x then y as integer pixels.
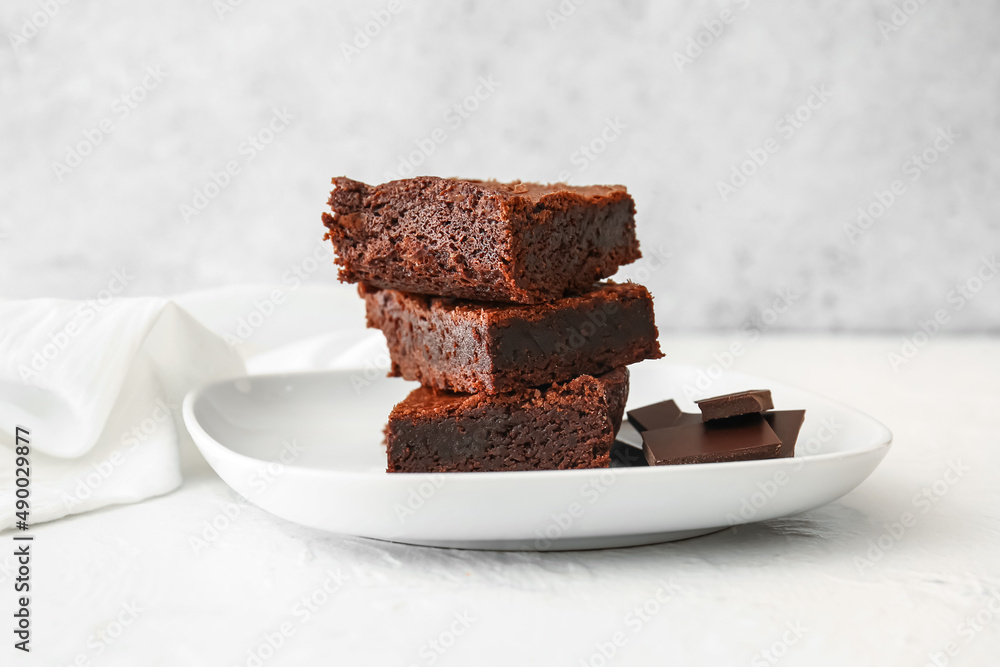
{"type": "Point", "coordinates": [124, 586]}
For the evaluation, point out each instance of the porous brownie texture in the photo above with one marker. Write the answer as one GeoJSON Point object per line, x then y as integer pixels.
{"type": "Point", "coordinates": [483, 240]}
{"type": "Point", "coordinates": [563, 426]}
{"type": "Point", "coordinates": [470, 346]}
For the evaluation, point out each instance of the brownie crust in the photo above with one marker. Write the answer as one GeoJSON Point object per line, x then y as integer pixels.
{"type": "Point", "coordinates": [482, 240]}
{"type": "Point", "coordinates": [472, 347]}
{"type": "Point", "coordinates": [563, 426]}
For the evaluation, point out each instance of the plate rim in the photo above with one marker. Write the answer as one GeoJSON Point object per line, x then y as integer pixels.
{"type": "Point", "coordinates": [193, 425]}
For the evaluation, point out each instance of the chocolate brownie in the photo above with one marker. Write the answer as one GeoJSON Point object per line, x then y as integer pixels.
{"type": "Point", "coordinates": [484, 240]}
{"type": "Point", "coordinates": [470, 346]}
{"type": "Point", "coordinates": [570, 425]}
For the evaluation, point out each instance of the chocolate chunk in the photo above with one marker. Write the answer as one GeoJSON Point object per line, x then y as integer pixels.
{"type": "Point", "coordinates": [686, 418]}
{"type": "Point", "coordinates": [660, 415]}
{"type": "Point", "coordinates": [624, 455]}
{"type": "Point", "coordinates": [734, 440]}
{"type": "Point", "coordinates": [734, 405]}
{"type": "Point", "coordinates": [471, 346]}
{"type": "Point", "coordinates": [786, 424]}
{"type": "Point", "coordinates": [657, 415]}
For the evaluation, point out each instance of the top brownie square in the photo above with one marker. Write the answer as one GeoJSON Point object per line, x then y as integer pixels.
{"type": "Point", "coordinates": [482, 240]}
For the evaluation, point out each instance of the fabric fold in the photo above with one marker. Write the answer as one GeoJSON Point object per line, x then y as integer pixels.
{"type": "Point", "coordinates": [99, 387]}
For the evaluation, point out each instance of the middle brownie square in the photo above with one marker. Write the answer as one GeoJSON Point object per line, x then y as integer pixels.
{"type": "Point", "coordinates": [478, 347]}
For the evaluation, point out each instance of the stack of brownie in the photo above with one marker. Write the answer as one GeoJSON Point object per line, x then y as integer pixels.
{"type": "Point", "coordinates": [488, 295]}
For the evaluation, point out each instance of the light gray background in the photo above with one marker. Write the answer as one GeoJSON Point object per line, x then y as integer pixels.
{"type": "Point", "coordinates": [890, 94]}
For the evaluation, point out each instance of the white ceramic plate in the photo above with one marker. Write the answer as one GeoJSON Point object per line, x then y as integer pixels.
{"type": "Point", "coordinates": [307, 447]}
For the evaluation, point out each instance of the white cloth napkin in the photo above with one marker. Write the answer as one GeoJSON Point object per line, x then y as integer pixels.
{"type": "Point", "coordinates": [99, 387]}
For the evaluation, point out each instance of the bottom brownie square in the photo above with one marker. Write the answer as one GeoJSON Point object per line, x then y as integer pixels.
{"type": "Point", "coordinates": [558, 427]}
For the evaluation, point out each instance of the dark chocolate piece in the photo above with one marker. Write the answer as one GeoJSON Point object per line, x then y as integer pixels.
{"type": "Point", "coordinates": [471, 347]}
{"type": "Point", "coordinates": [735, 405]}
{"type": "Point", "coordinates": [786, 424]}
{"type": "Point", "coordinates": [686, 418]}
{"type": "Point", "coordinates": [483, 240]}
{"type": "Point", "coordinates": [624, 455]}
{"type": "Point", "coordinates": [570, 425]}
{"type": "Point", "coordinates": [734, 440]}
{"type": "Point", "coordinates": [660, 415]}
{"type": "Point", "coordinates": [657, 415]}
